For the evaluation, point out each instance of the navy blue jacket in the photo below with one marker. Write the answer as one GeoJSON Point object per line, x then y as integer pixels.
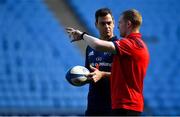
{"type": "Point", "coordinates": [99, 98]}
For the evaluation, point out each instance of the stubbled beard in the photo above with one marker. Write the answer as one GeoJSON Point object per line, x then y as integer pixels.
{"type": "Point", "coordinates": [107, 37]}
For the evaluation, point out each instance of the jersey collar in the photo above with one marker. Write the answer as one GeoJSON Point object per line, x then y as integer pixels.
{"type": "Point", "coordinates": [132, 35]}
{"type": "Point", "coordinates": [114, 38]}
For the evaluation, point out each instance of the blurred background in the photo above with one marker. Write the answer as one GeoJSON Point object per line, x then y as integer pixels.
{"type": "Point", "coordinates": [35, 53]}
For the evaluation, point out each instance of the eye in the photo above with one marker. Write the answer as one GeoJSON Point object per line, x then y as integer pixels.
{"type": "Point", "coordinates": [108, 23]}
{"type": "Point", "coordinates": [104, 23]}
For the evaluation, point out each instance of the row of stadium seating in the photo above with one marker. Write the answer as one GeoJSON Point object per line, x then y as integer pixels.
{"type": "Point", "coordinates": [35, 55]}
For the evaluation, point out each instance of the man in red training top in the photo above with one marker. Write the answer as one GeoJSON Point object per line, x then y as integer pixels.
{"type": "Point", "coordinates": [130, 62]}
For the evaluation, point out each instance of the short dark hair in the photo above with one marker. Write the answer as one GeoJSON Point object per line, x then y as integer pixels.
{"type": "Point", "coordinates": [102, 12]}
{"type": "Point", "coordinates": [134, 16]}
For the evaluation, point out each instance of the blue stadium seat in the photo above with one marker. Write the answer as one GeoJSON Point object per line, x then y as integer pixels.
{"type": "Point", "coordinates": [35, 55]}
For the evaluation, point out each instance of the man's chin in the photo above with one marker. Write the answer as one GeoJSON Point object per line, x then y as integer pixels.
{"type": "Point", "coordinates": [109, 36]}
{"type": "Point", "coordinates": [122, 35]}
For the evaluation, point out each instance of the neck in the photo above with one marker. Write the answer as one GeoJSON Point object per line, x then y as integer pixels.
{"type": "Point", "coordinates": [132, 31]}
{"type": "Point", "coordinates": [106, 37]}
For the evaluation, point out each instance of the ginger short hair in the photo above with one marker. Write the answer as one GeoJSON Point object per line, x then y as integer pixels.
{"type": "Point", "coordinates": [134, 16]}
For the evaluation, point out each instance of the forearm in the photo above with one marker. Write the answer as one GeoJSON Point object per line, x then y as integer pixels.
{"type": "Point", "coordinates": [93, 42]}
{"type": "Point", "coordinates": [98, 44]}
{"type": "Point", "coordinates": [105, 74]}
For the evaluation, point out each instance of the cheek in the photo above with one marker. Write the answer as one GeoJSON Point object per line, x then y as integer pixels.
{"type": "Point", "coordinates": [100, 29]}
{"type": "Point", "coordinates": [112, 26]}
{"type": "Point", "coordinates": [111, 29]}
{"type": "Point", "coordinates": [122, 27]}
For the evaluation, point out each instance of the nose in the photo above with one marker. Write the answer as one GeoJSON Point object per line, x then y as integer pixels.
{"type": "Point", "coordinates": [106, 25]}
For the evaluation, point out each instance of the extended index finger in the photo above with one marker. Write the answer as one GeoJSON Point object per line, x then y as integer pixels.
{"type": "Point", "coordinates": [69, 29]}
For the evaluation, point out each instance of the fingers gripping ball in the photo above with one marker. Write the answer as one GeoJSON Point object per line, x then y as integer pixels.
{"type": "Point", "coordinates": [77, 75]}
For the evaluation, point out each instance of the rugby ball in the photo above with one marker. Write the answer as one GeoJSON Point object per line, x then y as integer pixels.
{"type": "Point", "coordinates": [76, 75]}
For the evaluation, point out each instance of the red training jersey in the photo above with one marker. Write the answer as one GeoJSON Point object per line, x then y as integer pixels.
{"type": "Point", "coordinates": [128, 72]}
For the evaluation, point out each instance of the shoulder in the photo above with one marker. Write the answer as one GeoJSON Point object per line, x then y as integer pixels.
{"type": "Point", "coordinates": [88, 48]}
{"type": "Point", "coordinates": [115, 38]}
{"type": "Point", "coordinates": [122, 41]}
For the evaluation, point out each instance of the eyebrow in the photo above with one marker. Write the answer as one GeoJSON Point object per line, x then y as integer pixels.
{"type": "Point", "coordinates": [106, 22]}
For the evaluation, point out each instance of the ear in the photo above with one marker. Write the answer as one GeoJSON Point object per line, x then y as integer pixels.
{"type": "Point", "coordinates": [129, 24]}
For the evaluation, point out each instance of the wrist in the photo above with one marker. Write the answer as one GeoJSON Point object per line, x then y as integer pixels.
{"type": "Point", "coordinates": [83, 35]}
{"type": "Point", "coordinates": [105, 74]}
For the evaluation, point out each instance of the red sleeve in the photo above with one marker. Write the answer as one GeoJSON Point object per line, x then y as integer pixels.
{"type": "Point", "coordinates": [124, 46]}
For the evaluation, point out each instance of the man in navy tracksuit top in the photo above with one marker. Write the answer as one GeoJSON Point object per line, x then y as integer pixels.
{"type": "Point", "coordinates": [99, 98]}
